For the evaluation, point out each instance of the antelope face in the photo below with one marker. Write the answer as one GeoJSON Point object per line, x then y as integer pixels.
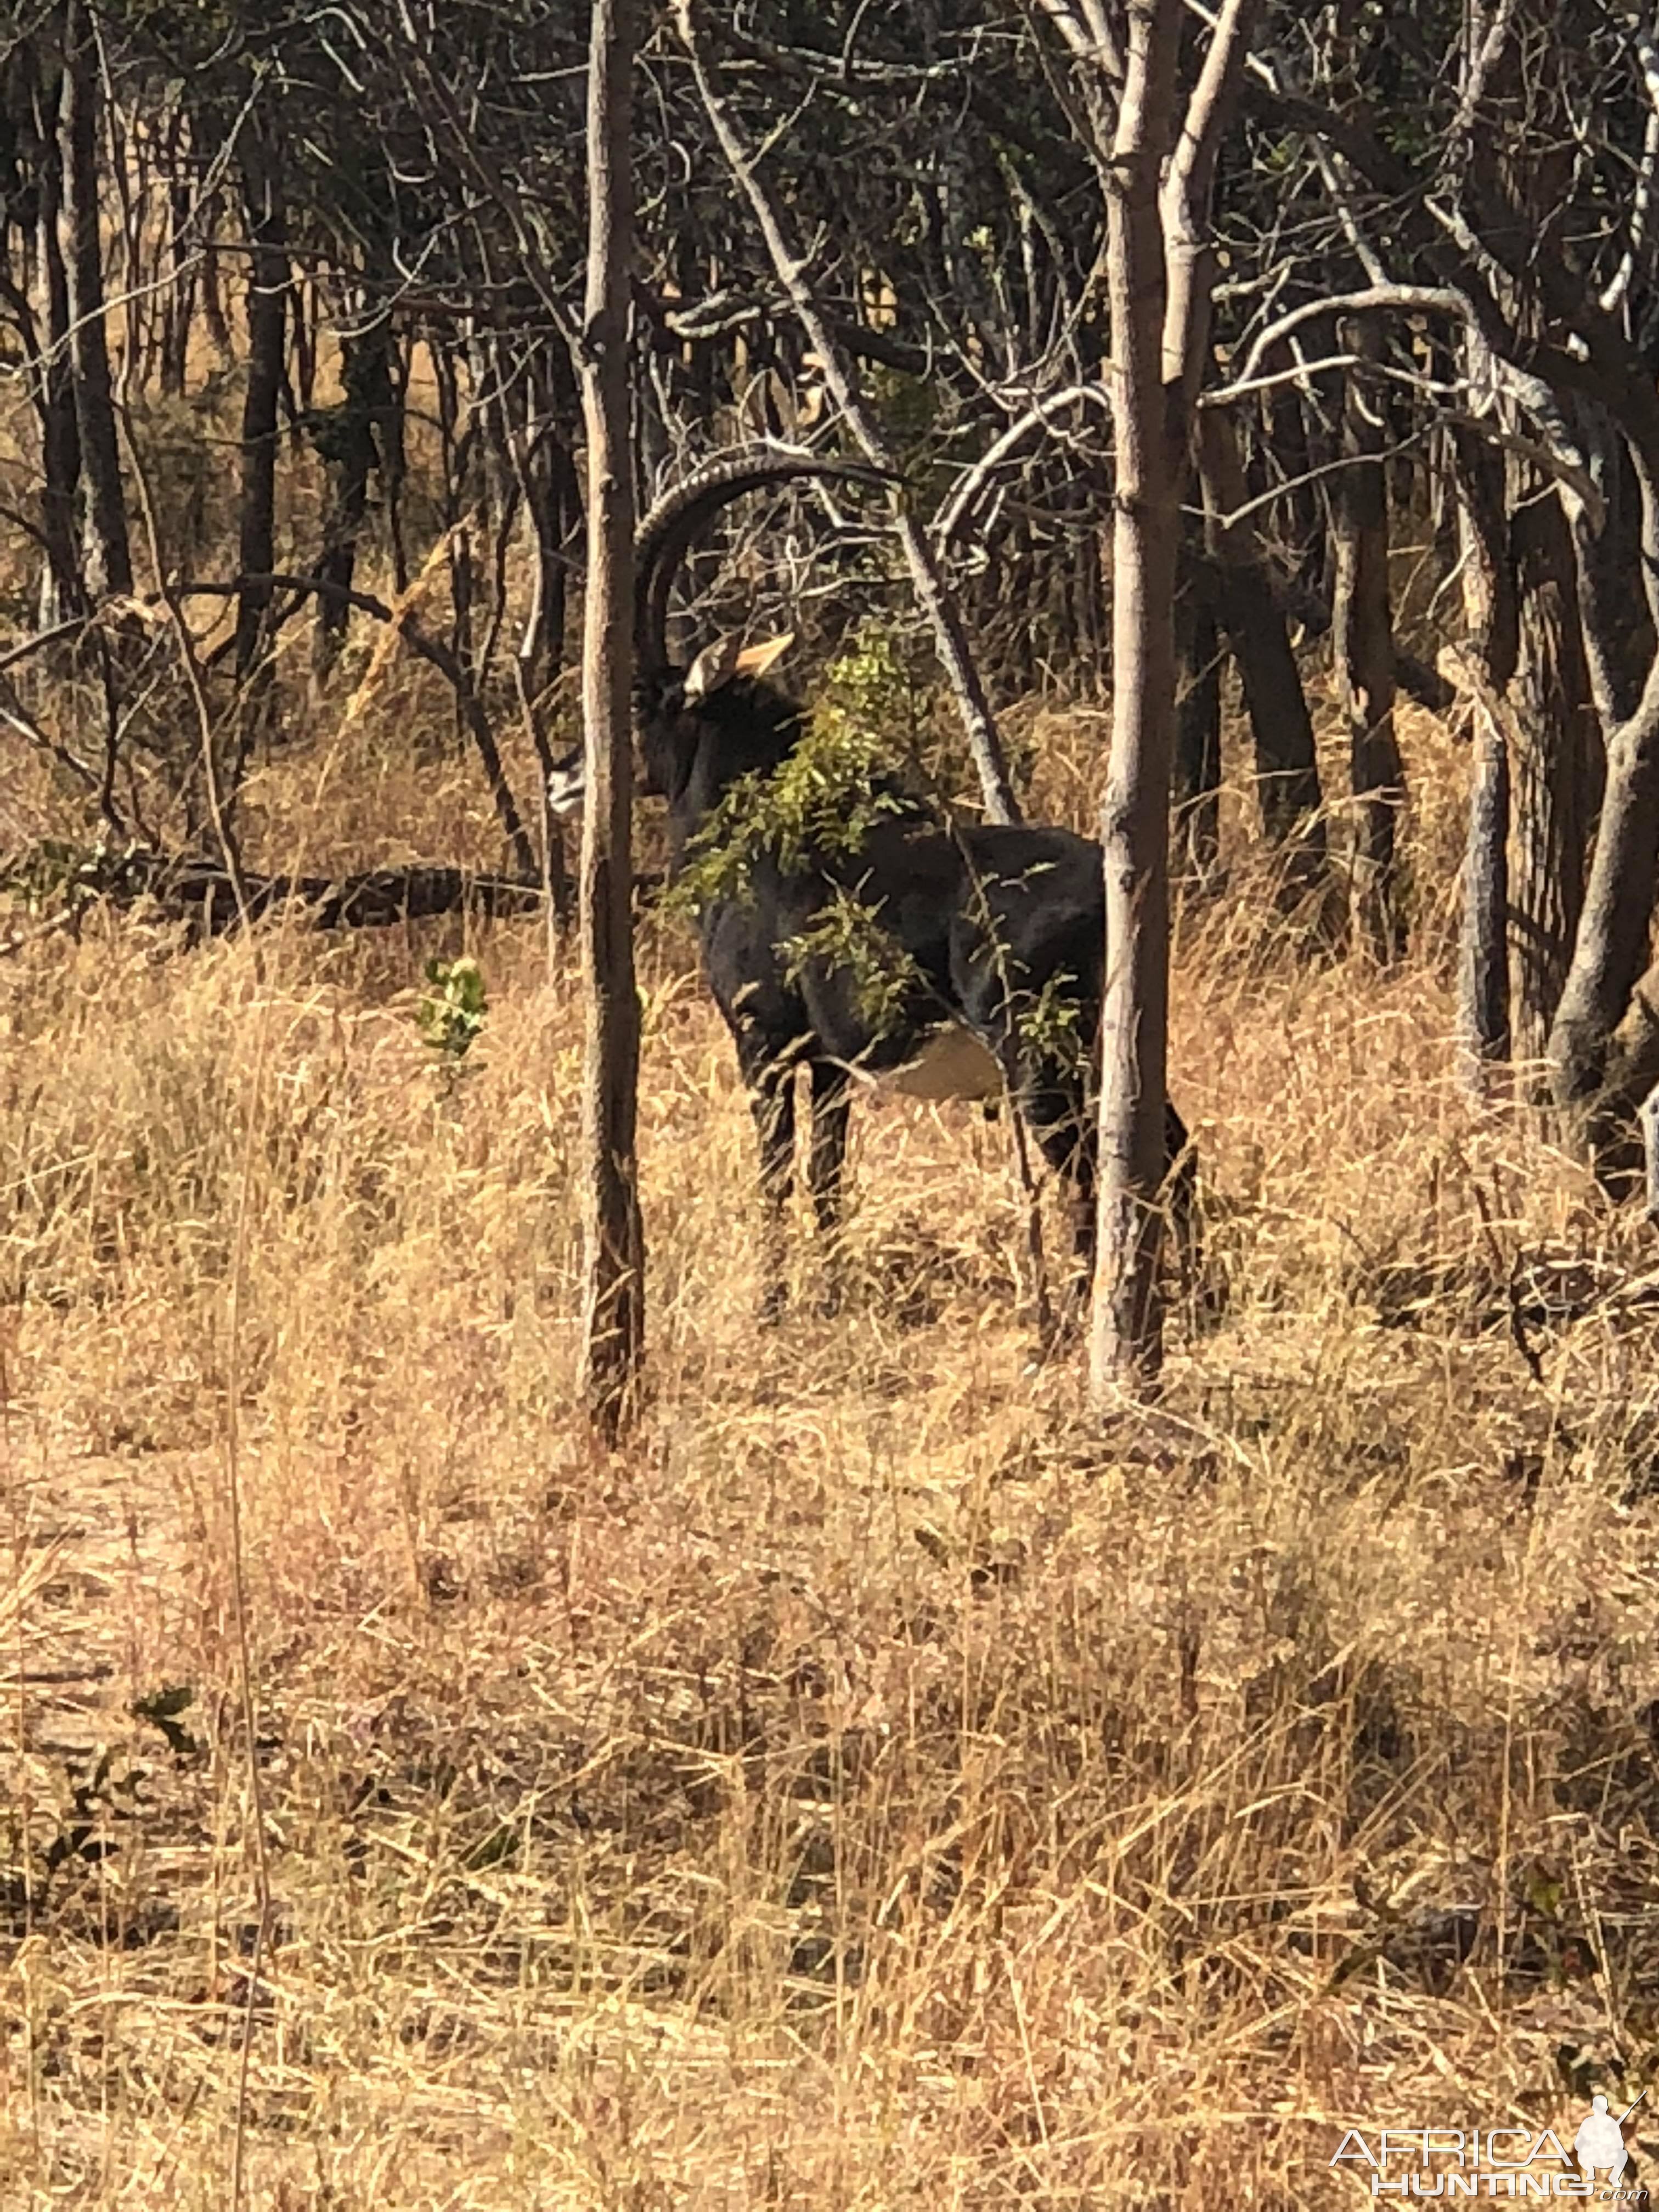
{"type": "Point", "coordinates": [567, 784]}
{"type": "Point", "coordinates": [667, 710]}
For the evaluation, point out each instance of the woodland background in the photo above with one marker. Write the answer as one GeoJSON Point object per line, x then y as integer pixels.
{"type": "Point", "coordinates": [875, 1782]}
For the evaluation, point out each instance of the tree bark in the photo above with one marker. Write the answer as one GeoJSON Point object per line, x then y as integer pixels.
{"type": "Point", "coordinates": [1363, 647]}
{"type": "Point", "coordinates": [1553, 720]}
{"type": "Point", "coordinates": [1599, 1045]}
{"type": "Point", "coordinates": [613, 1322]}
{"type": "Point", "coordinates": [1197, 724]}
{"type": "Point", "coordinates": [107, 560]}
{"type": "Point", "coordinates": [179, 300]}
{"type": "Point", "coordinates": [553, 503]}
{"type": "Point", "coordinates": [1126, 1326]}
{"type": "Point", "coordinates": [267, 319]}
{"type": "Point", "coordinates": [347, 438]}
{"type": "Point", "coordinates": [1617, 628]}
{"type": "Point", "coordinates": [63, 592]}
{"type": "Point", "coordinates": [1483, 973]}
{"type": "Point", "coordinates": [1491, 619]}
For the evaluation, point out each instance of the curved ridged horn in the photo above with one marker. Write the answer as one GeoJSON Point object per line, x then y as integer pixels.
{"type": "Point", "coordinates": [679, 516]}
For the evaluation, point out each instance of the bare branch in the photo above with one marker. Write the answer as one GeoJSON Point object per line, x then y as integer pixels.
{"type": "Point", "coordinates": [1647, 52]}
{"type": "Point", "coordinates": [951, 516]}
{"type": "Point", "coordinates": [431, 649]}
{"type": "Point", "coordinates": [1408, 299]}
{"type": "Point", "coordinates": [1185, 199]}
{"type": "Point", "coordinates": [791, 264]}
{"type": "Point", "coordinates": [1091, 42]}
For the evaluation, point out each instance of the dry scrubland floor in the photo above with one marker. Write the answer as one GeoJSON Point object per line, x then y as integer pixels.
{"type": "Point", "coordinates": [873, 1789]}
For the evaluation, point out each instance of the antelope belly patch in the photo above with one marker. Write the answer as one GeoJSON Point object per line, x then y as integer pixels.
{"type": "Point", "coordinates": [953, 1065]}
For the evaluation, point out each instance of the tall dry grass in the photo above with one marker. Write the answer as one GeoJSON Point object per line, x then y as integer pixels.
{"type": "Point", "coordinates": [875, 1787]}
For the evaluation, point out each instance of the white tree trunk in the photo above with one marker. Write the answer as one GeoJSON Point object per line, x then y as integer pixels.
{"type": "Point", "coordinates": [1126, 1332]}
{"type": "Point", "coordinates": [613, 1321]}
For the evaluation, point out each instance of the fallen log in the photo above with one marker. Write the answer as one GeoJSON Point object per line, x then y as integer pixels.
{"type": "Point", "coordinates": [187, 887]}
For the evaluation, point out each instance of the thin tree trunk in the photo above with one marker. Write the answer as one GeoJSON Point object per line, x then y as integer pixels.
{"type": "Point", "coordinates": [1363, 646]}
{"type": "Point", "coordinates": [1197, 724]}
{"type": "Point", "coordinates": [303, 298]}
{"type": "Point", "coordinates": [1618, 630]}
{"type": "Point", "coordinates": [1492, 617]}
{"type": "Point", "coordinates": [1598, 1046]}
{"type": "Point", "coordinates": [1597, 1043]}
{"type": "Point", "coordinates": [351, 455]}
{"type": "Point", "coordinates": [1553, 719]}
{"type": "Point", "coordinates": [613, 1322]}
{"type": "Point", "coordinates": [267, 317]}
{"type": "Point", "coordinates": [63, 592]}
{"type": "Point", "coordinates": [107, 563]}
{"type": "Point", "coordinates": [1483, 967]}
{"type": "Point", "coordinates": [1125, 1325]}
{"type": "Point", "coordinates": [213, 304]}
{"type": "Point", "coordinates": [178, 306]}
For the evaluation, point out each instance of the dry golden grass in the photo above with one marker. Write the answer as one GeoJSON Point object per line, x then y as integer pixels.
{"type": "Point", "coordinates": [873, 1788]}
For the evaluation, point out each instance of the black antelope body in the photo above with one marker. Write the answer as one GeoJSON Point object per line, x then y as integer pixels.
{"type": "Point", "coordinates": [998, 933]}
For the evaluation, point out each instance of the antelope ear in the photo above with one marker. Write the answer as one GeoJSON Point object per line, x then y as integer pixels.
{"type": "Point", "coordinates": [715, 665]}
{"type": "Point", "coordinates": [756, 659]}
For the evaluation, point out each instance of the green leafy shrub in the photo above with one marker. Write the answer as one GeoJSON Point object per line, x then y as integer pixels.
{"type": "Point", "coordinates": [453, 1010]}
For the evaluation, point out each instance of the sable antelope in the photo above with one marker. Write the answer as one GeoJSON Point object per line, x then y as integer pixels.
{"type": "Point", "coordinates": [998, 933]}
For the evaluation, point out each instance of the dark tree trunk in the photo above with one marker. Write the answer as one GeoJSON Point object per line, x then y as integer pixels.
{"type": "Point", "coordinates": [267, 317]}
{"type": "Point", "coordinates": [107, 564]}
{"type": "Point", "coordinates": [394, 465]}
{"type": "Point", "coordinates": [1198, 722]}
{"type": "Point", "coordinates": [1287, 767]}
{"type": "Point", "coordinates": [303, 299]}
{"type": "Point", "coordinates": [1483, 969]}
{"type": "Point", "coordinates": [63, 591]}
{"type": "Point", "coordinates": [1363, 646]}
{"type": "Point", "coordinates": [213, 301]}
{"type": "Point", "coordinates": [1617, 628]}
{"type": "Point", "coordinates": [178, 306]}
{"type": "Point", "coordinates": [178, 302]}
{"type": "Point", "coordinates": [613, 1328]}
{"type": "Point", "coordinates": [347, 437]}
{"type": "Point", "coordinates": [1298, 514]}
{"type": "Point", "coordinates": [540, 453]}
{"type": "Point", "coordinates": [1554, 779]}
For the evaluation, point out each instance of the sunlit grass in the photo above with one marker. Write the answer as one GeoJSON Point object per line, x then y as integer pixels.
{"type": "Point", "coordinates": [875, 1786]}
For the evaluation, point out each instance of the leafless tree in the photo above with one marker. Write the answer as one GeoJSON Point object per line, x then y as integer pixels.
{"type": "Point", "coordinates": [1363, 643]}
{"type": "Point", "coordinates": [108, 558]}
{"type": "Point", "coordinates": [1160, 274]}
{"type": "Point", "coordinates": [613, 1328]}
